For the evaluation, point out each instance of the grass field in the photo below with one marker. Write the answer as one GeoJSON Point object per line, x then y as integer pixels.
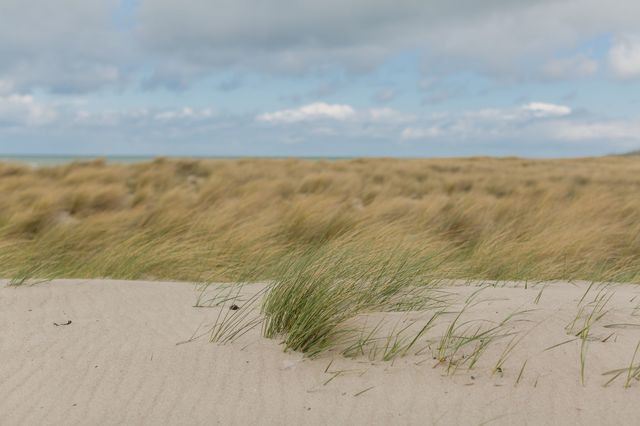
{"type": "Point", "coordinates": [241, 220]}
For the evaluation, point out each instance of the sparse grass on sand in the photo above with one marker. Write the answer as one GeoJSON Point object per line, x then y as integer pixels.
{"type": "Point", "coordinates": [240, 220]}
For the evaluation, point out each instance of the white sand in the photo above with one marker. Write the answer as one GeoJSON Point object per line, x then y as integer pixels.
{"type": "Point", "coordinates": [118, 363]}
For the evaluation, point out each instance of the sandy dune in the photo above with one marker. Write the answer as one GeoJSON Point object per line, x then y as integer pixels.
{"type": "Point", "coordinates": [118, 363]}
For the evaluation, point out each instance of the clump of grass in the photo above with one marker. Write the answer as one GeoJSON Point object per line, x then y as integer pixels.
{"type": "Point", "coordinates": [318, 291]}
{"type": "Point", "coordinates": [591, 312]}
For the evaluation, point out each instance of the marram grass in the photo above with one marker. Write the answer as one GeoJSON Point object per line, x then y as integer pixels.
{"type": "Point", "coordinates": [317, 292]}
{"type": "Point", "coordinates": [201, 220]}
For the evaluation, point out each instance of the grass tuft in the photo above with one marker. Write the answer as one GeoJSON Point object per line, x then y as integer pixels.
{"type": "Point", "coordinates": [317, 292]}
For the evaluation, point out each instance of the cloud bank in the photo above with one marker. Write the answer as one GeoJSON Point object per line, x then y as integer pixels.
{"type": "Point", "coordinates": [370, 76]}
{"type": "Point", "coordinates": [80, 46]}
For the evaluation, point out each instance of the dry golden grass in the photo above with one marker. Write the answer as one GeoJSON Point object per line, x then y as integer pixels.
{"type": "Point", "coordinates": [239, 219]}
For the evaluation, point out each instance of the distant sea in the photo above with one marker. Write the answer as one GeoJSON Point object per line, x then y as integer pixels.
{"type": "Point", "coordinates": [54, 160]}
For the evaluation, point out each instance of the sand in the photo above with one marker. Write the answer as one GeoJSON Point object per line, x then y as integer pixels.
{"type": "Point", "coordinates": [118, 362]}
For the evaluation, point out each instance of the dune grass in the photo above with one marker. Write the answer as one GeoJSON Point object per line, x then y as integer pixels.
{"type": "Point", "coordinates": [200, 220]}
{"type": "Point", "coordinates": [317, 292]}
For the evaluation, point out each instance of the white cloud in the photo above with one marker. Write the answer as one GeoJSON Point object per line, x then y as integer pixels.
{"type": "Point", "coordinates": [111, 118]}
{"type": "Point", "coordinates": [314, 111]}
{"type": "Point", "coordinates": [489, 124]}
{"type": "Point", "coordinates": [183, 113]}
{"type": "Point", "coordinates": [417, 133]}
{"type": "Point", "coordinates": [494, 114]}
{"type": "Point", "coordinates": [604, 130]}
{"type": "Point", "coordinates": [337, 112]}
{"type": "Point", "coordinates": [388, 115]}
{"type": "Point", "coordinates": [576, 66]}
{"type": "Point", "coordinates": [144, 117]}
{"type": "Point", "coordinates": [523, 113]}
{"type": "Point", "coordinates": [542, 109]}
{"type": "Point", "coordinates": [24, 110]}
{"type": "Point", "coordinates": [624, 57]}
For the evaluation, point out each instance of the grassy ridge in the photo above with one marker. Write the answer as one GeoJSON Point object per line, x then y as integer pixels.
{"type": "Point", "coordinates": [245, 219]}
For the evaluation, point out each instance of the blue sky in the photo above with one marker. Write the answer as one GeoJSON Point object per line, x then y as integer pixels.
{"type": "Point", "coordinates": [540, 78]}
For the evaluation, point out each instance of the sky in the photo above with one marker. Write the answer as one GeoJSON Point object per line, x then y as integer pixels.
{"type": "Point", "coordinates": [533, 78]}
